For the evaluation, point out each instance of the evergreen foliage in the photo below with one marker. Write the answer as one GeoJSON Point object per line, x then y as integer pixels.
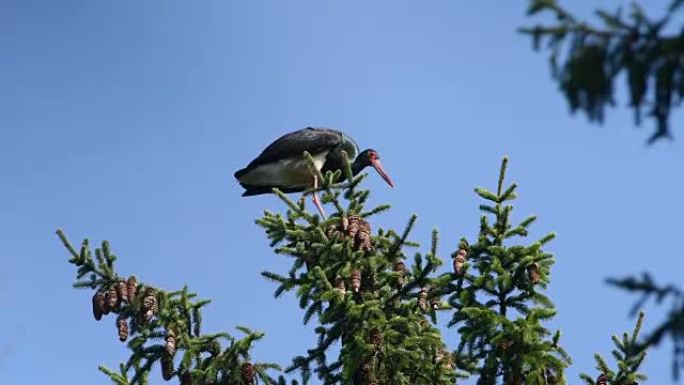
{"type": "Point", "coordinates": [498, 303]}
{"type": "Point", "coordinates": [375, 301]}
{"type": "Point", "coordinates": [586, 60]}
{"type": "Point", "coordinates": [163, 327]}
{"type": "Point", "coordinates": [672, 326]}
{"type": "Point", "coordinates": [629, 354]}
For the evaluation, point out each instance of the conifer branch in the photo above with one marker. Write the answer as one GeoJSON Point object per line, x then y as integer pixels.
{"type": "Point", "coordinates": [145, 315]}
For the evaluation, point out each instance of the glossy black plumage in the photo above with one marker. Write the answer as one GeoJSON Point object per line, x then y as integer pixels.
{"type": "Point", "coordinates": [282, 165]}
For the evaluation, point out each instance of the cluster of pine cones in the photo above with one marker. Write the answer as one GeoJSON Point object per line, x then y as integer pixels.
{"type": "Point", "coordinates": [356, 228]}
{"type": "Point", "coordinates": [122, 292]}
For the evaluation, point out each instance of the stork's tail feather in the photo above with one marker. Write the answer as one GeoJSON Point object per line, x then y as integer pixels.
{"type": "Point", "coordinates": [251, 190]}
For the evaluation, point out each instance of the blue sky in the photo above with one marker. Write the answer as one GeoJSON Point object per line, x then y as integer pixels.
{"type": "Point", "coordinates": [126, 120]}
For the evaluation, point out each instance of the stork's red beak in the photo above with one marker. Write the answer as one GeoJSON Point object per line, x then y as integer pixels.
{"type": "Point", "coordinates": [378, 167]}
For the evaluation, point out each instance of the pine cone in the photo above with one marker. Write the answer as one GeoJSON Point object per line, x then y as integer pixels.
{"type": "Point", "coordinates": [459, 260]}
{"type": "Point", "coordinates": [99, 305]}
{"type": "Point", "coordinates": [131, 287]}
{"type": "Point", "coordinates": [122, 327]}
{"type": "Point", "coordinates": [247, 372]}
{"type": "Point", "coordinates": [353, 226]}
{"type": "Point", "coordinates": [360, 231]}
{"type": "Point", "coordinates": [602, 380]}
{"type": "Point", "coordinates": [400, 268]}
{"type": "Point", "coordinates": [422, 300]}
{"type": "Point", "coordinates": [444, 358]}
{"type": "Point", "coordinates": [149, 303]}
{"type": "Point", "coordinates": [435, 303]}
{"type": "Point", "coordinates": [112, 298]}
{"type": "Point", "coordinates": [186, 379]}
{"type": "Point", "coordinates": [105, 308]}
{"type": "Point", "coordinates": [356, 280]}
{"type": "Point", "coordinates": [339, 285]}
{"type": "Point", "coordinates": [167, 367]}
{"type": "Point", "coordinates": [344, 223]}
{"type": "Point", "coordinates": [533, 273]}
{"type": "Point", "coordinates": [121, 291]}
{"type": "Point", "coordinates": [376, 338]}
{"type": "Point", "coordinates": [170, 346]}
{"type": "Point", "coordinates": [368, 375]}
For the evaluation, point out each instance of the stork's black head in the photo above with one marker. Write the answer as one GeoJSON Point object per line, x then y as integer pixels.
{"type": "Point", "coordinates": [367, 158]}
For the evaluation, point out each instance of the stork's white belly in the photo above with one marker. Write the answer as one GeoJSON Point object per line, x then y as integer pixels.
{"type": "Point", "coordinates": [290, 172]}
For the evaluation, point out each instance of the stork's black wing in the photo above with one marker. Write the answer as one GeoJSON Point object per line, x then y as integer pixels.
{"type": "Point", "coordinates": [313, 140]}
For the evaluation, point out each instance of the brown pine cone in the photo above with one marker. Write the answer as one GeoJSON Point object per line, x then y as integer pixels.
{"type": "Point", "coordinates": [353, 226]}
{"type": "Point", "coordinates": [105, 308]}
{"type": "Point", "coordinates": [112, 298]}
{"type": "Point", "coordinates": [186, 379]}
{"type": "Point", "coordinates": [131, 287]}
{"type": "Point", "coordinates": [149, 303]}
{"type": "Point", "coordinates": [435, 303]}
{"type": "Point", "coordinates": [376, 337]}
{"type": "Point", "coordinates": [534, 273]}
{"type": "Point", "coordinates": [122, 327]}
{"type": "Point", "coordinates": [98, 305]}
{"type": "Point", "coordinates": [368, 375]}
{"type": "Point", "coordinates": [602, 380]}
{"type": "Point", "coordinates": [422, 300]}
{"type": "Point", "coordinates": [356, 280]}
{"type": "Point", "coordinates": [167, 367]}
{"type": "Point", "coordinates": [170, 346]}
{"type": "Point", "coordinates": [400, 268]}
{"type": "Point", "coordinates": [459, 260]}
{"type": "Point", "coordinates": [247, 372]}
{"type": "Point", "coordinates": [121, 291]}
{"type": "Point", "coordinates": [339, 285]}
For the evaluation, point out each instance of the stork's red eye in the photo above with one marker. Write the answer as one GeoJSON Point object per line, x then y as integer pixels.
{"type": "Point", "coordinates": [373, 155]}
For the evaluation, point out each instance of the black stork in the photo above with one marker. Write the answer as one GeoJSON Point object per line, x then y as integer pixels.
{"type": "Point", "coordinates": [282, 163]}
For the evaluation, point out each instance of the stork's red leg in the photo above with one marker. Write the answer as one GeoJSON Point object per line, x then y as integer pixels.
{"type": "Point", "coordinates": [317, 200]}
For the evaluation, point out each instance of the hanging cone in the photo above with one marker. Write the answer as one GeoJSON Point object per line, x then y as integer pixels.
{"type": "Point", "coordinates": [112, 298]}
{"type": "Point", "coordinates": [105, 308]}
{"type": "Point", "coordinates": [353, 226]}
{"type": "Point", "coordinates": [167, 367]}
{"type": "Point", "coordinates": [459, 260]}
{"type": "Point", "coordinates": [602, 380]}
{"type": "Point", "coordinates": [533, 273]}
{"type": "Point", "coordinates": [376, 338]}
{"type": "Point", "coordinates": [363, 237]}
{"type": "Point", "coordinates": [400, 268]}
{"type": "Point", "coordinates": [356, 280]}
{"type": "Point", "coordinates": [344, 222]}
{"type": "Point", "coordinates": [121, 291]}
{"type": "Point", "coordinates": [368, 375]}
{"type": "Point", "coordinates": [170, 346]}
{"type": "Point", "coordinates": [98, 305]}
{"type": "Point", "coordinates": [339, 285]}
{"type": "Point", "coordinates": [435, 303]}
{"type": "Point", "coordinates": [422, 300]}
{"type": "Point", "coordinates": [122, 327]}
{"type": "Point", "coordinates": [443, 357]}
{"type": "Point", "coordinates": [149, 303]}
{"type": "Point", "coordinates": [247, 372]}
{"type": "Point", "coordinates": [131, 287]}
{"type": "Point", "coordinates": [186, 379]}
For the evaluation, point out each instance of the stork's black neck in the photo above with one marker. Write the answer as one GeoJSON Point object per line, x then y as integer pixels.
{"type": "Point", "coordinates": [358, 166]}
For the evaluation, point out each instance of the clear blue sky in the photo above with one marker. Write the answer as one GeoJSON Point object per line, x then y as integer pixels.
{"type": "Point", "coordinates": [126, 120]}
